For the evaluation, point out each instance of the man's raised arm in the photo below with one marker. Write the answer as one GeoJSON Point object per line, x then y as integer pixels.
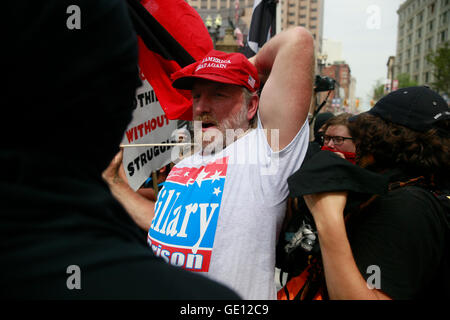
{"type": "Point", "coordinates": [286, 64]}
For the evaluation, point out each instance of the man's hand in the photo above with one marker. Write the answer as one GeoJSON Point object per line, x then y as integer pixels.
{"type": "Point", "coordinates": [112, 174]}
{"type": "Point", "coordinates": [140, 208]}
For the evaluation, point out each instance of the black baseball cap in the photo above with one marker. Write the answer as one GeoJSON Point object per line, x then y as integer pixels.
{"type": "Point", "coordinates": [418, 108]}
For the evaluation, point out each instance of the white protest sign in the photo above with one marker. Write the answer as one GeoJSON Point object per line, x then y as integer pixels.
{"type": "Point", "coordinates": [149, 125]}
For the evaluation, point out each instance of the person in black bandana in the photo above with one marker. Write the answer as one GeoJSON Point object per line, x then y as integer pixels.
{"type": "Point", "coordinates": [69, 99]}
{"type": "Point", "coordinates": [394, 244]}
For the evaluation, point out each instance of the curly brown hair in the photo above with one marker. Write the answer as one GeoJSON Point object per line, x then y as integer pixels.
{"type": "Point", "coordinates": [393, 146]}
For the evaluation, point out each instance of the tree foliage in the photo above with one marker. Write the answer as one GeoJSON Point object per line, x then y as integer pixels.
{"type": "Point", "coordinates": [378, 90]}
{"type": "Point", "coordinates": [404, 81]}
{"type": "Point", "coordinates": [440, 59]}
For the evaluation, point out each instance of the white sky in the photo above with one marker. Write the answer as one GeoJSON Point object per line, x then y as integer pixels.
{"type": "Point", "coordinates": [367, 30]}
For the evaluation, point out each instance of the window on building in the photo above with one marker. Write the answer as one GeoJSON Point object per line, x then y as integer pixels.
{"type": "Point", "coordinates": [430, 25]}
{"type": "Point", "coordinates": [419, 33]}
{"type": "Point", "coordinates": [420, 17]}
{"type": "Point", "coordinates": [431, 9]}
{"type": "Point", "coordinates": [429, 43]}
{"type": "Point", "coordinates": [417, 49]}
{"type": "Point", "coordinates": [427, 77]}
{"type": "Point", "coordinates": [444, 17]}
{"type": "Point", "coordinates": [443, 36]}
{"type": "Point", "coordinates": [417, 64]}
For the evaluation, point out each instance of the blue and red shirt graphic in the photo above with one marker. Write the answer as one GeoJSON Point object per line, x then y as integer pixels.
{"type": "Point", "coordinates": [186, 215]}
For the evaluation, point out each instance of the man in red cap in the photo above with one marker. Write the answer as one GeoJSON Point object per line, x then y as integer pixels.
{"type": "Point", "coordinates": [220, 210]}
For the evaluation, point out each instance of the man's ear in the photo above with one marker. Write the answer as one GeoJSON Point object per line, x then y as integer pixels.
{"type": "Point", "coordinates": [252, 107]}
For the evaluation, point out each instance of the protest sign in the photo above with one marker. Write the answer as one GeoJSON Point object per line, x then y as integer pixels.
{"type": "Point", "coordinates": [149, 125]}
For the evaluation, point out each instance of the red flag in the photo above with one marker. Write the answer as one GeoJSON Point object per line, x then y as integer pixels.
{"type": "Point", "coordinates": [185, 25]}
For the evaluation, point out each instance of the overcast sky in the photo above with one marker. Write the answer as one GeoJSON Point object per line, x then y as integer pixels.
{"type": "Point", "coordinates": [367, 30]}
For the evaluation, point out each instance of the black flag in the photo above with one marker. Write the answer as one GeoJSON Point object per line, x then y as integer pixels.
{"type": "Point", "coordinates": [262, 26]}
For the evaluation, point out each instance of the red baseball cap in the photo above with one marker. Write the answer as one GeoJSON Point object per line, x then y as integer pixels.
{"type": "Point", "coordinates": [218, 66]}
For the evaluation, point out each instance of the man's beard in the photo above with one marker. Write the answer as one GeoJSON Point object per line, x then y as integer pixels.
{"type": "Point", "coordinates": [226, 132]}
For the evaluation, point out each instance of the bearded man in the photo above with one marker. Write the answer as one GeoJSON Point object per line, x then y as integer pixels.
{"type": "Point", "coordinates": [221, 209]}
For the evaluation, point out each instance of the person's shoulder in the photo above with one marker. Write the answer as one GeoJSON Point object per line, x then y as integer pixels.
{"type": "Point", "coordinates": [411, 204]}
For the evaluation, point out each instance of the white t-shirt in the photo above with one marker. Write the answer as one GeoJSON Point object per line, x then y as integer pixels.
{"type": "Point", "coordinates": [221, 214]}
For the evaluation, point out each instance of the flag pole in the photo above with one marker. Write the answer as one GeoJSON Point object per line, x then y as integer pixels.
{"type": "Point", "coordinates": [155, 182]}
{"type": "Point", "coordinates": [156, 144]}
{"type": "Point", "coordinates": [278, 18]}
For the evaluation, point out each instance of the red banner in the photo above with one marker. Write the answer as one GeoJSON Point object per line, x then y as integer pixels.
{"type": "Point", "coordinates": [186, 26]}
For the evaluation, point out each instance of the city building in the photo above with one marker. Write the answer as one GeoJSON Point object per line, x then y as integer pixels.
{"type": "Point", "coordinates": [391, 83]}
{"type": "Point", "coordinates": [305, 13]}
{"type": "Point", "coordinates": [332, 50]}
{"type": "Point", "coordinates": [342, 99]}
{"type": "Point", "coordinates": [222, 15]}
{"type": "Point", "coordinates": [423, 26]}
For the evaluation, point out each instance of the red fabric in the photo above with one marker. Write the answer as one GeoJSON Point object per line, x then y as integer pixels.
{"type": "Point", "coordinates": [231, 68]}
{"type": "Point", "coordinates": [350, 156]}
{"type": "Point", "coordinates": [186, 26]}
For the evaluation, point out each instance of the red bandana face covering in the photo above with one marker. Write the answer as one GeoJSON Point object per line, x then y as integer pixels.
{"type": "Point", "coordinates": [350, 156]}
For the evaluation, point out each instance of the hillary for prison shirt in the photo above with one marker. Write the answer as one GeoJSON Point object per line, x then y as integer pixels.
{"type": "Point", "coordinates": [220, 214]}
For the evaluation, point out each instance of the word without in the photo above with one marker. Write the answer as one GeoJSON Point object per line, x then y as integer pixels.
{"type": "Point", "coordinates": [145, 128]}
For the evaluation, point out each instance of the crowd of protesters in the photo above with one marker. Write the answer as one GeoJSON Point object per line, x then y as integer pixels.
{"type": "Point", "coordinates": [370, 218]}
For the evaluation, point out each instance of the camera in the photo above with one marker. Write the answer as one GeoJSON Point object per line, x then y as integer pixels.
{"type": "Point", "coordinates": [323, 83]}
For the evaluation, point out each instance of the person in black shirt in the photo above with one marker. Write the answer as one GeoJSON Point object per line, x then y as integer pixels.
{"type": "Point", "coordinates": [70, 96]}
{"type": "Point", "coordinates": [395, 244]}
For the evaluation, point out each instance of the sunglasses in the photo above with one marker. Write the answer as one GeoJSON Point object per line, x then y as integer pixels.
{"type": "Point", "coordinates": [337, 140]}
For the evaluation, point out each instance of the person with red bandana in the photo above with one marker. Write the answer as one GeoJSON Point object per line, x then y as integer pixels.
{"type": "Point", "coordinates": [337, 137]}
